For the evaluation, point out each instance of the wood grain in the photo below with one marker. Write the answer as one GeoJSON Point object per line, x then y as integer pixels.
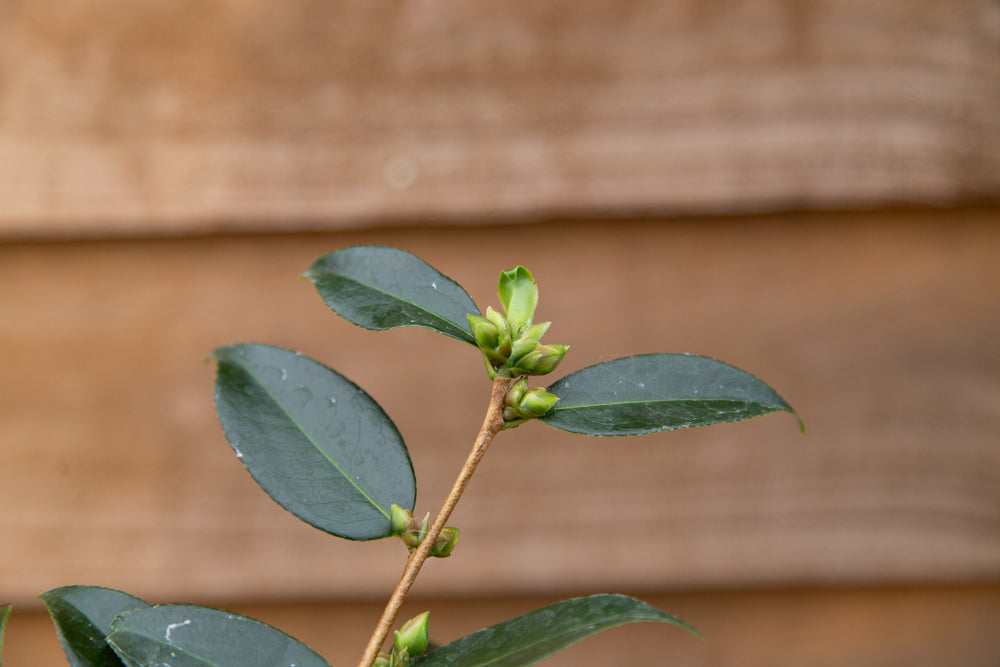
{"type": "Point", "coordinates": [880, 329]}
{"type": "Point", "coordinates": [168, 117]}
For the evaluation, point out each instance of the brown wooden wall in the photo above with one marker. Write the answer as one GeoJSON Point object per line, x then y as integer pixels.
{"type": "Point", "coordinates": [195, 114]}
{"type": "Point", "coordinates": [808, 190]}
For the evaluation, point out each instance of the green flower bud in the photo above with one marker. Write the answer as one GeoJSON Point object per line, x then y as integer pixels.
{"type": "Point", "coordinates": [520, 348]}
{"type": "Point", "coordinates": [413, 533]}
{"type": "Point", "coordinates": [445, 542]}
{"type": "Point", "coordinates": [536, 331]}
{"type": "Point", "coordinates": [543, 359]}
{"type": "Point", "coordinates": [504, 340]}
{"type": "Point", "coordinates": [515, 393]}
{"type": "Point", "coordinates": [536, 402]}
{"type": "Point", "coordinates": [400, 519]}
{"type": "Point", "coordinates": [486, 333]}
{"type": "Point", "coordinates": [411, 539]}
{"type": "Point", "coordinates": [412, 638]}
{"type": "Point", "coordinates": [383, 660]}
{"type": "Point", "coordinates": [519, 296]}
{"type": "Point", "coordinates": [497, 320]}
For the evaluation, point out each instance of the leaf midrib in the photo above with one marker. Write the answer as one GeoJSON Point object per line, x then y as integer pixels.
{"type": "Point", "coordinates": [658, 400]}
{"type": "Point", "coordinates": [313, 442]}
{"type": "Point", "coordinates": [466, 335]}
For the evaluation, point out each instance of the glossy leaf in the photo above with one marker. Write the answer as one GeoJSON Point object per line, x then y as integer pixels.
{"type": "Point", "coordinates": [190, 636]}
{"type": "Point", "coordinates": [4, 615]}
{"type": "Point", "coordinates": [316, 443]}
{"type": "Point", "coordinates": [534, 636]}
{"type": "Point", "coordinates": [658, 392]}
{"type": "Point", "coordinates": [382, 288]}
{"type": "Point", "coordinates": [82, 616]}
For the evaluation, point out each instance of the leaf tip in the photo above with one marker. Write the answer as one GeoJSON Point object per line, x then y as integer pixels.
{"type": "Point", "coordinates": [802, 422]}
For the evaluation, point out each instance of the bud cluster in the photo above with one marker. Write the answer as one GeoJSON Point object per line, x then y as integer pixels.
{"type": "Point", "coordinates": [404, 525]}
{"type": "Point", "coordinates": [511, 344]}
{"type": "Point", "coordinates": [523, 403]}
{"type": "Point", "coordinates": [410, 643]}
{"type": "Point", "coordinates": [513, 353]}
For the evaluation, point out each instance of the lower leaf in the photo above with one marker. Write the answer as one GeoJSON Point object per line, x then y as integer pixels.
{"type": "Point", "coordinates": [191, 636]}
{"type": "Point", "coordinates": [532, 637]}
{"type": "Point", "coordinates": [82, 616]}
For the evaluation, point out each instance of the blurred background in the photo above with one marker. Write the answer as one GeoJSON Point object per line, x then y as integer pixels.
{"type": "Point", "coordinates": [807, 190]}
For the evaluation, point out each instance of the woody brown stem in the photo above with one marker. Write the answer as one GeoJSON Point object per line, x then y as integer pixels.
{"type": "Point", "coordinates": [491, 426]}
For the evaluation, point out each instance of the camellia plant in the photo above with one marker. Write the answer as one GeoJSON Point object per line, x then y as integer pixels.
{"type": "Point", "coordinates": [325, 451]}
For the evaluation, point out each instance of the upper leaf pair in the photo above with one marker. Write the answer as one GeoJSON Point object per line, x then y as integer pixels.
{"type": "Point", "coordinates": [382, 288]}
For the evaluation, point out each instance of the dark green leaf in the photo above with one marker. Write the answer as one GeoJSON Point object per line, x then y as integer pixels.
{"type": "Point", "coordinates": [383, 288]}
{"type": "Point", "coordinates": [4, 615]}
{"type": "Point", "coordinates": [534, 636]}
{"type": "Point", "coordinates": [82, 616]}
{"type": "Point", "coordinates": [189, 636]}
{"type": "Point", "coordinates": [317, 444]}
{"type": "Point", "coordinates": [658, 392]}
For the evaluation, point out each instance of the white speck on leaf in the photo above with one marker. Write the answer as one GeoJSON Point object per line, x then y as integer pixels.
{"type": "Point", "coordinates": [236, 448]}
{"type": "Point", "coordinates": [284, 373]}
{"type": "Point", "coordinates": [434, 285]}
{"type": "Point", "coordinates": [174, 626]}
{"type": "Point", "coordinates": [333, 401]}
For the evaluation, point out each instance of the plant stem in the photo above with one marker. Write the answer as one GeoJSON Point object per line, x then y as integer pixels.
{"type": "Point", "coordinates": [491, 426]}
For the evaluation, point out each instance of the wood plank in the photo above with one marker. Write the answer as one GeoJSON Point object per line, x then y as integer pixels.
{"type": "Point", "coordinates": [171, 117]}
{"type": "Point", "coordinates": [925, 627]}
{"type": "Point", "coordinates": [881, 329]}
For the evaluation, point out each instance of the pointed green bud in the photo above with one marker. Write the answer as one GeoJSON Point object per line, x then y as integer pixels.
{"type": "Point", "coordinates": [400, 519]}
{"type": "Point", "coordinates": [383, 660]}
{"type": "Point", "coordinates": [504, 340]}
{"type": "Point", "coordinates": [485, 332]}
{"type": "Point", "coordinates": [413, 636]}
{"type": "Point", "coordinates": [497, 320]}
{"type": "Point", "coordinates": [515, 393]}
{"type": "Point", "coordinates": [536, 402]}
{"type": "Point", "coordinates": [411, 539]}
{"type": "Point", "coordinates": [413, 533]}
{"type": "Point", "coordinates": [536, 331]}
{"type": "Point", "coordinates": [403, 525]}
{"type": "Point", "coordinates": [543, 359]}
{"type": "Point", "coordinates": [519, 296]}
{"type": "Point", "coordinates": [445, 543]}
{"type": "Point", "coordinates": [522, 347]}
